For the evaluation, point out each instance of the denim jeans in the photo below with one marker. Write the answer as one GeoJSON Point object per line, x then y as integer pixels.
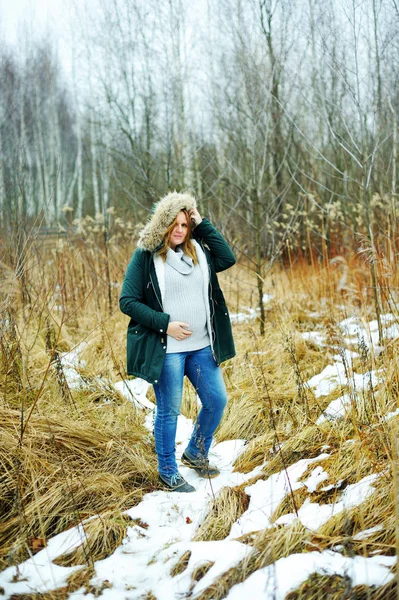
{"type": "Point", "coordinates": [206, 377]}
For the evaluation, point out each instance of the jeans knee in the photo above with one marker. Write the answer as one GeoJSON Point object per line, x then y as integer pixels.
{"type": "Point", "coordinates": [222, 402]}
{"type": "Point", "coordinates": [214, 403]}
{"type": "Point", "coordinates": [170, 412]}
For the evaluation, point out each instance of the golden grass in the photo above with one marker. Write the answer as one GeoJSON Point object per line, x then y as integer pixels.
{"type": "Point", "coordinates": [279, 542]}
{"type": "Point", "coordinates": [200, 571]}
{"type": "Point", "coordinates": [337, 587]}
{"type": "Point", "coordinates": [319, 587]}
{"type": "Point", "coordinates": [148, 596]}
{"type": "Point", "coordinates": [181, 565]}
{"type": "Point", "coordinates": [376, 510]}
{"type": "Point", "coordinates": [69, 469]}
{"type": "Point", "coordinates": [227, 507]}
{"type": "Point", "coordinates": [269, 545]}
{"type": "Point", "coordinates": [85, 456]}
{"type": "Point", "coordinates": [305, 444]}
{"type": "Point", "coordinates": [77, 580]}
{"type": "Point", "coordinates": [291, 503]}
{"type": "Point", "coordinates": [264, 390]}
{"type": "Point", "coordinates": [102, 536]}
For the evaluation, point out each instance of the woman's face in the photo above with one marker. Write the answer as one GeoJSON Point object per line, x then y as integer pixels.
{"type": "Point", "coordinates": [179, 231]}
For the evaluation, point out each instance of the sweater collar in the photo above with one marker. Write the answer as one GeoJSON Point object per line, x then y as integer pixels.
{"type": "Point", "coordinates": [179, 261]}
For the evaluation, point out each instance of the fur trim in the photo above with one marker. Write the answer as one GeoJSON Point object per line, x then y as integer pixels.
{"type": "Point", "coordinates": [166, 210]}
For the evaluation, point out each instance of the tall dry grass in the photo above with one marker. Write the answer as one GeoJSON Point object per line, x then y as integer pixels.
{"type": "Point", "coordinates": [66, 454]}
{"type": "Point", "coordinates": [69, 454]}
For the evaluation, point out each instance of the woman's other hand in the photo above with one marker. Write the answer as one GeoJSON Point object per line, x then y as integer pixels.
{"type": "Point", "coordinates": [195, 216]}
{"type": "Point", "coordinates": [178, 330]}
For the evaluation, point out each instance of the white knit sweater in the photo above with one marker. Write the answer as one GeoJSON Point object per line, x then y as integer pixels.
{"type": "Point", "coordinates": [184, 300]}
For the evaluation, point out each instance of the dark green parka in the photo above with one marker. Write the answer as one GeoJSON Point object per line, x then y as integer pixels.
{"type": "Point", "coordinates": [140, 299]}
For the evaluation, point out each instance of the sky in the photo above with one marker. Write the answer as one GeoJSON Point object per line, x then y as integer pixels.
{"type": "Point", "coordinates": [54, 18]}
{"type": "Point", "coordinates": [40, 17]}
{"type": "Point", "coordinates": [42, 13]}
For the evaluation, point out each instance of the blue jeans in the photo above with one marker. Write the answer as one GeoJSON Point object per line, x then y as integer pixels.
{"type": "Point", "coordinates": [206, 377]}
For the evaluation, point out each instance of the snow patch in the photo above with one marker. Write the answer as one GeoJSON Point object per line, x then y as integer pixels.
{"type": "Point", "coordinates": [267, 494]}
{"type": "Point", "coordinates": [136, 391]}
{"type": "Point", "coordinates": [313, 515]}
{"type": "Point", "coordinates": [288, 573]}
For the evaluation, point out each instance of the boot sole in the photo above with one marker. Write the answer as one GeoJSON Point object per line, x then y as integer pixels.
{"type": "Point", "coordinates": [204, 476]}
{"type": "Point", "coordinates": [165, 488]}
{"type": "Point", "coordinates": [168, 489]}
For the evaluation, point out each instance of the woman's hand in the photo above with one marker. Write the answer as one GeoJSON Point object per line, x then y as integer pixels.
{"type": "Point", "coordinates": [195, 216]}
{"type": "Point", "coordinates": [178, 330]}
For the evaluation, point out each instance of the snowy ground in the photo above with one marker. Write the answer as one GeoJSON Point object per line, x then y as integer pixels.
{"type": "Point", "coordinates": [165, 523]}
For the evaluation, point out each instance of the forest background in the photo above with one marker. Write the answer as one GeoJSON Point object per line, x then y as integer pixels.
{"type": "Point", "coordinates": [281, 117]}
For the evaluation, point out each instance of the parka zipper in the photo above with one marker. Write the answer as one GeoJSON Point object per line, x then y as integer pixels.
{"type": "Point", "coordinates": [155, 292]}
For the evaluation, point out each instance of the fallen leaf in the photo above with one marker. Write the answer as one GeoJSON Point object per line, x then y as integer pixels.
{"type": "Point", "coordinates": [140, 523]}
{"type": "Point", "coordinates": [37, 544]}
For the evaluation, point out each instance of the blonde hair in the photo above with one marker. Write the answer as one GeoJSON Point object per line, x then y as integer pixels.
{"type": "Point", "coordinates": [188, 246]}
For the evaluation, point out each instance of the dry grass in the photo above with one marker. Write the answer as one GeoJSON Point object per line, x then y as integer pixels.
{"type": "Point", "coordinates": [102, 536]}
{"type": "Point", "coordinates": [85, 456]}
{"type": "Point", "coordinates": [181, 564]}
{"type": "Point", "coordinates": [266, 389]}
{"type": "Point", "coordinates": [319, 587]}
{"type": "Point", "coordinates": [279, 542]}
{"type": "Point", "coordinates": [228, 506]}
{"type": "Point", "coordinates": [200, 571]}
{"type": "Point", "coordinates": [67, 470]}
{"type": "Point", "coordinates": [77, 580]}
{"type": "Point", "coordinates": [269, 546]}
{"type": "Point", "coordinates": [376, 510]}
{"type": "Point", "coordinates": [291, 503]}
{"type": "Point", "coordinates": [336, 587]}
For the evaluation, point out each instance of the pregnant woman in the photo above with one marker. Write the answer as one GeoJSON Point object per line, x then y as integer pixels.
{"type": "Point", "coordinates": [179, 326]}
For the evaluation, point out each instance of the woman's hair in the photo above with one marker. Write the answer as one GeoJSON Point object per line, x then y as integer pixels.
{"type": "Point", "coordinates": [188, 246]}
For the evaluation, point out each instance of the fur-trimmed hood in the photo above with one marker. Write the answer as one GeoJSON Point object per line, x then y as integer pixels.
{"type": "Point", "coordinates": [166, 210]}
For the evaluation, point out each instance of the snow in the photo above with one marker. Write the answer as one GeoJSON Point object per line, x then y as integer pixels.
{"type": "Point", "coordinates": [336, 408]}
{"type": "Point", "coordinates": [242, 317]}
{"type": "Point", "coordinates": [314, 336]}
{"type": "Point", "coordinates": [391, 415]}
{"type": "Point", "coordinates": [286, 574]}
{"type": "Point", "coordinates": [163, 526]}
{"type": "Point", "coordinates": [265, 496]}
{"type": "Point", "coordinates": [317, 476]}
{"type": "Point", "coordinates": [71, 362]}
{"type": "Point", "coordinates": [313, 515]}
{"type": "Point", "coordinates": [136, 391]}
{"type": "Point", "coordinates": [164, 523]}
{"type": "Point", "coordinates": [367, 333]}
{"type": "Point", "coordinates": [163, 531]}
{"type": "Point", "coordinates": [346, 357]}
{"type": "Point", "coordinates": [138, 568]}
{"type": "Point", "coordinates": [39, 573]}
{"type": "Point", "coordinates": [34, 576]}
{"type": "Point", "coordinates": [363, 535]}
{"type": "Point", "coordinates": [337, 375]}
{"type": "Point", "coordinates": [392, 332]}
{"type": "Point", "coordinates": [250, 313]}
{"type": "Point", "coordinates": [326, 381]}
